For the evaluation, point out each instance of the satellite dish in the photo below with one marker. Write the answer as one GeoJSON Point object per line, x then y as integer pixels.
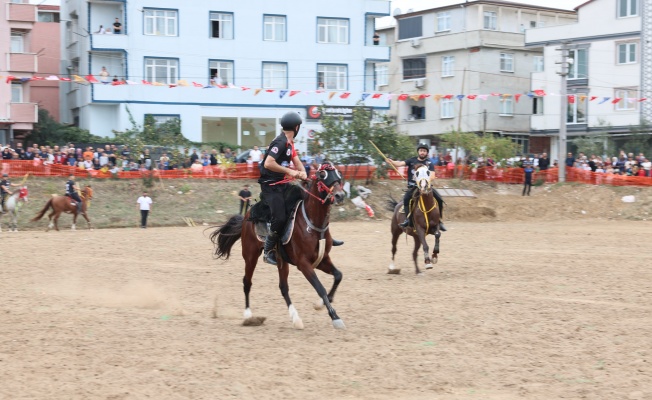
{"type": "Point", "coordinates": [397, 11]}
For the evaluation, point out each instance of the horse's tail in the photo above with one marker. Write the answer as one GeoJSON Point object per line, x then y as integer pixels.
{"type": "Point", "coordinates": [225, 236]}
{"type": "Point", "coordinates": [43, 211]}
{"type": "Point", "coordinates": [391, 203]}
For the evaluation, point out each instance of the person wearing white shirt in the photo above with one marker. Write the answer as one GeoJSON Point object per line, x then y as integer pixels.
{"type": "Point", "coordinates": [145, 206]}
{"type": "Point", "coordinates": [256, 155]}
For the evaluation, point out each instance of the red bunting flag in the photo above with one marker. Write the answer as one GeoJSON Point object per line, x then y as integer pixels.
{"type": "Point", "coordinates": [345, 95]}
{"type": "Point", "coordinates": [172, 85]}
{"type": "Point", "coordinates": [616, 100]}
{"type": "Point", "coordinates": [145, 82]}
{"type": "Point", "coordinates": [38, 78]}
{"type": "Point", "coordinates": [571, 99]}
{"type": "Point", "coordinates": [517, 97]}
{"type": "Point", "coordinates": [472, 96]}
{"type": "Point", "coordinates": [195, 84]}
{"type": "Point", "coordinates": [293, 92]}
{"type": "Point", "coordinates": [643, 99]}
{"type": "Point", "coordinates": [376, 96]}
{"type": "Point", "coordinates": [424, 96]}
{"type": "Point", "coordinates": [593, 98]}
{"type": "Point", "coordinates": [269, 90]}
{"type": "Point", "coordinates": [448, 96]}
{"type": "Point", "coordinates": [91, 78]}
{"type": "Point", "coordinates": [244, 88]}
{"type": "Point", "coordinates": [66, 79]}
{"type": "Point", "coordinates": [540, 92]}
{"type": "Point", "coordinates": [403, 97]}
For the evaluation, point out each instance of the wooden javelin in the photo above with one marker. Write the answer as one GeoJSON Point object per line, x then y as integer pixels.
{"type": "Point", "coordinates": [386, 159]}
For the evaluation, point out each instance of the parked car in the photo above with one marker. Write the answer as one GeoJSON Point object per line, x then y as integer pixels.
{"type": "Point", "coordinates": [242, 157]}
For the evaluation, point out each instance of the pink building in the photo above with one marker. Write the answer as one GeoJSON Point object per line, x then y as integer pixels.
{"type": "Point", "coordinates": [46, 41]}
{"type": "Point", "coordinates": [18, 63]}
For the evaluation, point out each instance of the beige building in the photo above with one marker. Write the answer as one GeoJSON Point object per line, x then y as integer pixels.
{"type": "Point", "coordinates": [466, 48]}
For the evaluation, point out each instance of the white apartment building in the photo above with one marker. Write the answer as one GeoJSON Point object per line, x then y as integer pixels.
{"type": "Point", "coordinates": [467, 48]}
{"type": "Point", "coordinates": [314, 51]}
{"type": "Point", "coordinates": [605, 47]}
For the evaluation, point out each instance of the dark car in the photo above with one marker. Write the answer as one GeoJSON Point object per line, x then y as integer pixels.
{"type": "Point", "coordinates": [242, 157]}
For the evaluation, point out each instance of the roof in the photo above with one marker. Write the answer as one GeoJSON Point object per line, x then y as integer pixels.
{"type": "Point", "coordinates": [489, 2]}
{"type": "Point", "coordinates": [583, 4]}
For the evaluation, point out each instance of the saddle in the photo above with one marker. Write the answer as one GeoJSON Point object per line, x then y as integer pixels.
{"type": "Point", "coordinates": [261, 215]}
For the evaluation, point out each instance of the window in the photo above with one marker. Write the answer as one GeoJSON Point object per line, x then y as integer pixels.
{"type": "Point", "coordinates": [221, 72]}
{"type": "Point", "coordinates": [16, 93]}
{"type": "Point", "coordinates": [333, 77]}
{"type": "Point", "coordinates": [507, 106]}
{"type": "Point", "coordinates": [221, 25]}
{"type": "Point", "coordinates": [161, 70]}
{"type": "Point", "coordinates": [414, 68]}
{"type": "Point", "coordinates": [448, 66]}
{"type": "Point", "coordinates": [447, 108]}
{"type": "Point", "coordinates": [627, 8]}
{"type": "Point", "coordinates": [579, 68]}
{"type": "Point", "coordinates": [275, 75]}
{"type": "Point", "coordinates": [506, 62]}
{"type": "Point", "coordinates": [160, 22]}
{"type": "Point", "coordinates": [17, 42]}
{"type": "Point", "coordinates": [417, 112]}
{"type": "Point", "coordinates": [274, 29]}
{"type": "Point", "coordinates": [537, 105]}
{"type": "Point", "coordinates": [490, 20]}
{"type": "Point", "coordinates": [577, 110]}
{"type": "Point", "coordinates": [48, 17]}
{"type": "Point", "coordinates": [626, 95]}
{"type": "Point", "coordinates": [443, 21]}
{"type": "Point", "coordinates": [333, 30]}
{"type": "Point", "coordinates": [627, 53]}
{"type": "Point", "coordinates": [162, 118]}
{"type": "Point", "coordinates": [538, 63]}
{"type": "Point", "coordinates": [522, 141]}
{"type": "Point", "coordinates": [382, 75]}
{"type": "Point", "coordinates": [410, 28]}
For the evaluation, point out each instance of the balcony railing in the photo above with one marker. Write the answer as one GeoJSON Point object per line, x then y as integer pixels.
{"type": "Point", "coordinates": [24, 112]}
{"type": "Point", "coordinates": [22, 12]}
{"type": "Point", "coordinates": [22, 62]}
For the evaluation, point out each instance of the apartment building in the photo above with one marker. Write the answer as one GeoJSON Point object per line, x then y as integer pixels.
{"type": "Point", "coordinates": [19, 62]}
{"type": "Point", "coordinates": [46, 39]}
{"type": "Point", "coordinates": [466, 48]}
{"type": "Point", "coordinates": [299, 53]}
{"type": "Point", "coordinates": [606, 64]}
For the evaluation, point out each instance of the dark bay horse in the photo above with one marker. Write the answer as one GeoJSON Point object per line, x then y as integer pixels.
{"type": "Point", "coordinates": [63, 204]}
{"type": "Point", "coordinates": [308, 247]}
{"type": "Point", "coordinates": [425, 218]}
{"type": "Point", "coordinates": [12, 204]}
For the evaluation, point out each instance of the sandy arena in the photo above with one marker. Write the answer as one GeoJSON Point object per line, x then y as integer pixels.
{"type": "Point", "coordinates": [518, 310]}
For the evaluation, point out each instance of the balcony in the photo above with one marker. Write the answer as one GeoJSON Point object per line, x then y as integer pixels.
{"type": "Point", "coordinates": [22, 12]}
{"type": "Point", "coordinates": [23, 112]}
{"type": "Point", "coordinates": [372, 52]}
{"type": "Point", "coordinates": [110, 41]}
{"type": "Point", "coordinates": [23, 62]}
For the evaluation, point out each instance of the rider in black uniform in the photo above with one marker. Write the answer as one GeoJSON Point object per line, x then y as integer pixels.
{"type": "Point", "coordinates": [423, 159]}
{"type": "Point", "coordinates": [71, 190]}
{"type": "Point", "coordinates": [5, 191]}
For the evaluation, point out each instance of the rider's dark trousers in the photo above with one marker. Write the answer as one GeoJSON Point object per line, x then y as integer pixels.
{"type": "Point", "coordinates": [408, 196]}
{"type": "Point", "coordinates": [274, 198]}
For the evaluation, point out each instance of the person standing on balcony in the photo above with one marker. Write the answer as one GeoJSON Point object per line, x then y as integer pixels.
{"type": "Point", "coordinates": [117, 27]}
{"type": "Point", "coordinates": [104, 75]}
{"type": "Point", "coordinates": [376, 39]}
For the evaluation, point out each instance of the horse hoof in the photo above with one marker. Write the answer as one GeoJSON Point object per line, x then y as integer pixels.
{"type": "Point", "coordinates": [434, 260]}
{"type": "Point", "coordinates": [319, 305]}
{"type": "Point", "coordinates": [247, 313]}
{"type": "Point", "coordinates": [297, 323]}
{"type": "Point", "coordinates": [253, 321]}
{"type": "Point", "coordinates": [394, 271]}
{"type": "Point", "coordinates": [429, 266]}
{"type": "Point", "coordinates": [338, 324]}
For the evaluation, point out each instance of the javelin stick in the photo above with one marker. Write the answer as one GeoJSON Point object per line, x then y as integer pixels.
{"type": "Point", "coordinates": [386, 159]}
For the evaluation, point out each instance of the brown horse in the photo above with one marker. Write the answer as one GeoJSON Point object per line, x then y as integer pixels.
{"type": "Point", "coordinates": [425, 218]}
{"type": "Point", "coordinates": [63, 204]}
{"type": "Point", "coordinates": [308, 247]}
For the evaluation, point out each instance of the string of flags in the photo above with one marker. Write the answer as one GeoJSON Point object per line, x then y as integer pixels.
{"type": "Point", "coordinates": [572, 98]}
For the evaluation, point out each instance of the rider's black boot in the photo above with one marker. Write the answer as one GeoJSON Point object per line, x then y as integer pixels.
{"type": "Point", "coordinates": [405, 223]}
{"type": "Point", "coordinates": [269, 252]}
{"type": "Point", "coordinates": [442, 227]}
{"type": "Point", "coordinates": [337, 242]}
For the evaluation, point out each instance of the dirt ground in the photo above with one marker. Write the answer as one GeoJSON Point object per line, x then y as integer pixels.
{"type": "Point", "coordinates": [513, 310]}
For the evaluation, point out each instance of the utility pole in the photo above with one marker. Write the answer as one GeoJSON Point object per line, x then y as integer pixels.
{"type": "Point", "coordinates": [563, 114]}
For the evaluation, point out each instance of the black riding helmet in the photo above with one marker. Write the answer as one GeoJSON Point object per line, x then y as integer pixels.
{"type": "Point", "coordinates": [423, 146]}
{"type": "Point", "coordinates": [291, 121]}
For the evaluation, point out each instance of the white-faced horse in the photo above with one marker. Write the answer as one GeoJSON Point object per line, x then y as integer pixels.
{"type": "Point", "coordinates": [12, 205]}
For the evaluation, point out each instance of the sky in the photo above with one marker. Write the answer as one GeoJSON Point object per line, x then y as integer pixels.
{"type": "Point", "coordinates": [417, 5]}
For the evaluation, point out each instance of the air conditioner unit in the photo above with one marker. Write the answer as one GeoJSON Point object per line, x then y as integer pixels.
{"type": "Point", "coordinates": [420, 83]}
{"type": "Point", "coordinates": [415, 42]}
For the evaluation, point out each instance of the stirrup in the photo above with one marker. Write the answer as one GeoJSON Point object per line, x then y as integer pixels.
{"type": "Point", "coordinates": [405, 223]}
{"type": "Point", "coordinates": [337, 242]}
{"type": "Point", "coordinates": [270, 257]}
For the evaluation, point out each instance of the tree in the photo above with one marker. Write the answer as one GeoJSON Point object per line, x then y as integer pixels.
{"type": "Point", "coordinates": [490, 146]}
{"type": "Point", "coordinates": [48, 131]}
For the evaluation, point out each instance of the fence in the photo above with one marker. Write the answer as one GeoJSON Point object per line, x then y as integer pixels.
{"type": "Point", "coordinates": [20, 168]}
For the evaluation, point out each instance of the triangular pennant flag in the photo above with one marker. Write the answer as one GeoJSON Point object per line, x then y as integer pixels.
{"type": "Point", "coordinates": [26, 79]}
{"type": "Point", "coordinates": [471, 97]}
{"type": "Point", "coordinates": [593, 98]}
{"type": "Point", "coordinates": [158, 84]}
{"type": "Point", "coordinates": [540, 92]}
{"type": "Point", "coordinates": [117, 83]}
{"type": "Point", "coordinates": [319, 91]}
{"type": "Point", "coordinates": [403, 97]}
{"type": "Point", "coordinates": [330, 95]}
{"type": "Point", "coordinates": [78, 79]}
{"type": "Point", "coordinates": [293, 92]}
{"type": "Point", "coordinates": [631, 101]}
{"type": "Point", "coordinates": [364, 96]}
{"type": "Point", "coordinates": [517, 97]}
{"type": "Point", "coordinates": [145, 82]}
{"type": "Point", "coordinates": [10, 78]}
{"type": "Point", "coordinates": [268, 90]}
{"type": "Point", "coordinates": [345, 95]}
{"type": "Point", "coordinates": [195, 84]}
{"type": "Point", "coordinates": [376, 95]}
{"type": "Point", "coordinates": [604, 100]}
{"type": "Point", "coordinates": [52, 78]}
{"type": "Point", "coordinates": [571, 99]}
{"type": "Point", "coordinates": [448, 96]}
{"type": "Point", "coordinates": [257, 91]}
{"type": "Point", "coordinates": [495, 94]}
{"type": "Point", "coordinates": [414, 97]}
{"type": "Point", "coordinates": [244, 88]}
{"type": "Point", "coordinates": [282, 93]}
{"type": "Point", "coordinates": [616, 100]}
{"type": "Point", "coordinates": [643, 99]}
{"type": "Point", "coordinates": [436, 97]}
{"type": "Point", "coordinates": [423, 96]}
{"type": "Point", "coordinates": [530, 95]}
{"type": "Point", "coordinates": [504, 96]}
{"type": "Point", "coordinates": [91, 78]}
{"type": "Point", "coordinates": [582, 98]}
{"type": "Point", "coordinates": [209, 87]}
{"type": "Point", "coordinates": [483, 96]}
{"type": "Point", "coordinates": [65, 79]}
{"type": "Point", "coordinates": [132, 82]}
{"type": "Point", "coordinates": [38, 78]}
{"type": "Point", "coordinates": [460, 97]}
{"type": "Point", "coordinates": [182, 82]}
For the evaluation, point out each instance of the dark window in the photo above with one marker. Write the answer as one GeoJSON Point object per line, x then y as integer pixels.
{"type": "Point", "coordinates": [414, 68]}
{"type": "Point", "coordinates": [418, 112]}
{"type": "Point", "coordinates": [410, 28]}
